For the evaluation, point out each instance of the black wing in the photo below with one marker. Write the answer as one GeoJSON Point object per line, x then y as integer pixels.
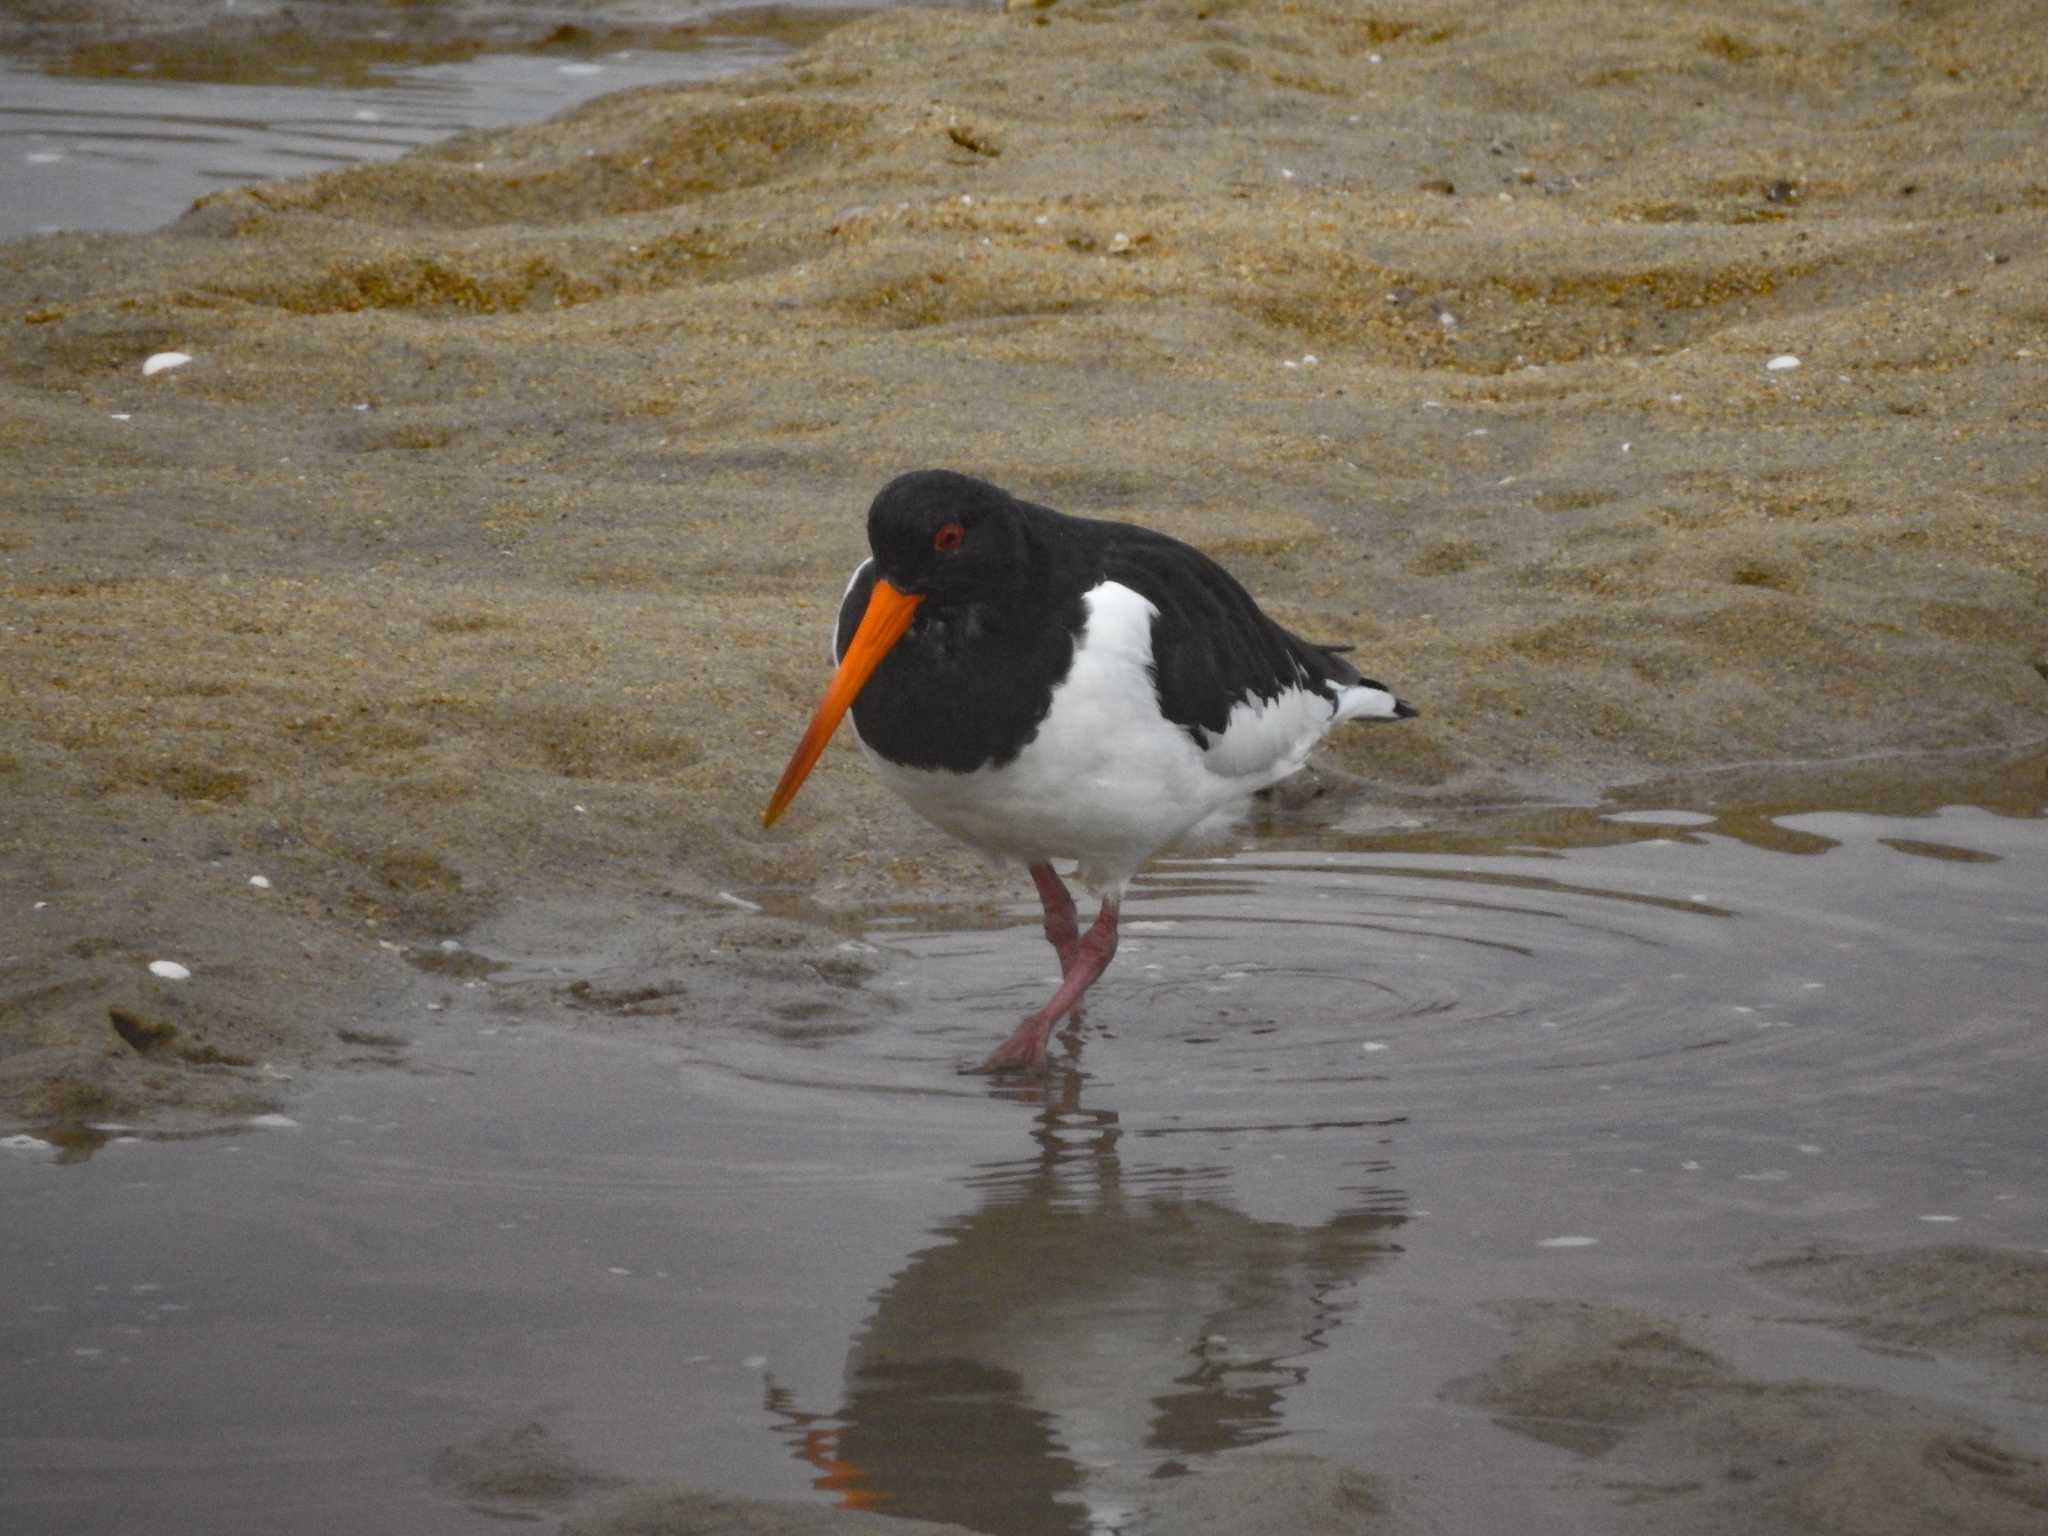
{"type": "Point", "coordinates": [1212, 645]}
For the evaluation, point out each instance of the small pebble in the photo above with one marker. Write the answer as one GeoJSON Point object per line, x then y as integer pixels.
{"type": "Point", "coordinates": [170, 970]}
{"type": "Point", "coordinates": [1569, 1242]}
{"type": "Point", "coordinates": [261, 882]}
{"type": "Point", "coordinates": [159, 362]}
{"type": "Point", "coordinates": [1784, 362]}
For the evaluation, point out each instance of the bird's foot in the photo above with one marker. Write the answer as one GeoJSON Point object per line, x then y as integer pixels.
{"type": "Point", "coordinates": [1024, 1051]}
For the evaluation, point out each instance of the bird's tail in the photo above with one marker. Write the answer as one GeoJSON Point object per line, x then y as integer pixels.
{"type": "Point", "coordinates": [1368, 700]}
{"type": "Point", "coordinates": [1358, 696]}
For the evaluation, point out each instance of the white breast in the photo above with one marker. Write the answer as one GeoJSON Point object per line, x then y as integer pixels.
{"type": "Point", "coordinates": [1108, 781]}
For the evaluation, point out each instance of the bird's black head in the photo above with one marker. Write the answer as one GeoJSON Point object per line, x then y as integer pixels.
{"type": "Point", "coordinates": [941, 535]}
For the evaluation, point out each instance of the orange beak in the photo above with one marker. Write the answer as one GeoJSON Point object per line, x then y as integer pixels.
{"type": "Point", "coordinates": [888, 616]}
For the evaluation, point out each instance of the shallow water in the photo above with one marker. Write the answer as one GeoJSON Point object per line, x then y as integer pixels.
{"type": "Point", "coordinates": [1331, 1100]}
{"type": "Point", "coordinates": [129, 139]}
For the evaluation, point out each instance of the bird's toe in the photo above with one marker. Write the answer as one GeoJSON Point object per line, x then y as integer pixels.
{"type": "Point", "coordinates": [1024, 1051]}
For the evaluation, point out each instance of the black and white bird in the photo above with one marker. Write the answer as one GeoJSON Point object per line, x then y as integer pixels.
{"type": "Point", "coordinates": [1049, 687]}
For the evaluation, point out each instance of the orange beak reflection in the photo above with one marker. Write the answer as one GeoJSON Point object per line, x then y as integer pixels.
{"type": "Point", "coordinates": [888, 616]}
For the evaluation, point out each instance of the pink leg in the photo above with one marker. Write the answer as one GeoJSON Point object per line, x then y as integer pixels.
{"type": "Point", "coordinates": [1025, 1049]}
{"type": "Point", "coordinates": [1061, 930]}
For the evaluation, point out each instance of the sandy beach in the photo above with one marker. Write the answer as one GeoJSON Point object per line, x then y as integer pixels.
{"type": "Point", "coordinates": [486, 545]}
{"type": "Point", "coordinates": [1642, 393]}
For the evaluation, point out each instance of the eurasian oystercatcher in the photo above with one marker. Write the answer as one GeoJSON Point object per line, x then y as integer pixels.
{"type": "Point", "coordinates": [1049, 687]}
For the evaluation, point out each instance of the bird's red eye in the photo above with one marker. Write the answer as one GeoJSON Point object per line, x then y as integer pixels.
{"type": "Point", "coordinates": [948, 538]}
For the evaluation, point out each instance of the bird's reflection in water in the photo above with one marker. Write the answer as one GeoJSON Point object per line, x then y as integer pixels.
{"type": "Point", "coordinates": [1101, 1319]}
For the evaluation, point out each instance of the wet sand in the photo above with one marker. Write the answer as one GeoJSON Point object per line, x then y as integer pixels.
{"type": "Point", "coordinates": [469, 584]}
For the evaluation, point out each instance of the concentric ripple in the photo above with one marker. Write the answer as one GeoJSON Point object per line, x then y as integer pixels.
{"type": "Point", "coordinates": [1678, 975]}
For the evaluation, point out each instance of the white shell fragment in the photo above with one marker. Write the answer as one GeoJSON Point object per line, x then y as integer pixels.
{"type": "Point", "coordinates": [1573, 1240]}
{"type": "Point", "coordinates": [261, 882]}
{"type": "Point", "coordinates": [159, 362]}
{"type": "Point", "coordinates": [170, 970]}
{"type": "Point", "coordinates": [1784, 362]}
